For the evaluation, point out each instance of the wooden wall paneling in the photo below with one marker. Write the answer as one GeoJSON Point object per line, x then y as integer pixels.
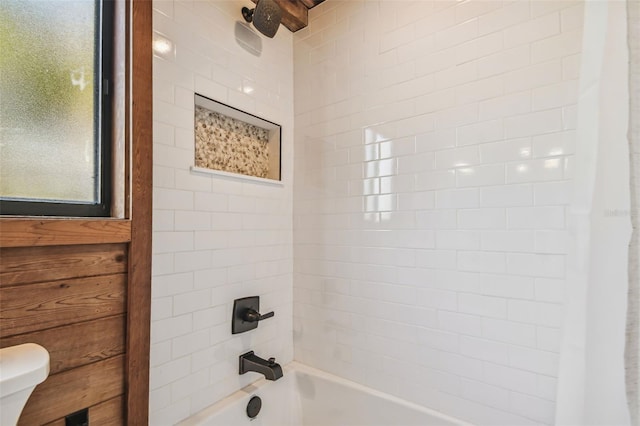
{"type": "Point", "coordinates": [79, 344]}
{"type": "Point", "coordinates": [108, 413]}
{"type": "Point", "coordinates": [34, 307]}
{"type": "Point", "coordinates": [141, 187]}
{"type": "Point", "coordinates": [62, 232]}
{"type": "Point", "coordinates": [24, 265]}
{"type": "Point", "coordinates": [73, 390]}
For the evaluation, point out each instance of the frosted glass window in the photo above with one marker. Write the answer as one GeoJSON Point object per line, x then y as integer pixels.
{"type": "Point", "coordinates": [51, 106]}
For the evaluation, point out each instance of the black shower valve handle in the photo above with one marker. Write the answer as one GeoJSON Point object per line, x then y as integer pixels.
{"type": "Point", "coordinates": [251, 315]}
{"type": "Point", "coordinates": [246, 315]}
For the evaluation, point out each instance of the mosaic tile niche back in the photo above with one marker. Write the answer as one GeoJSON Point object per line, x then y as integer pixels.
{"type": "Point", "coordinates": [230, 145]}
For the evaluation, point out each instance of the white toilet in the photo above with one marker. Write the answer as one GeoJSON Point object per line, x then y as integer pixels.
{"type": "Point", "coordinates": [22, 368]}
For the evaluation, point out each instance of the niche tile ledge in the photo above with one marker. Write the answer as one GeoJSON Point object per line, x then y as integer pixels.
{"type": "Point", "coordinates": [229, 175]}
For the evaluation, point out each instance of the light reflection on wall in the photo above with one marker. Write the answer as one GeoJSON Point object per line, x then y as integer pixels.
{"type": "Point", "coordinates": [162, 46]}
{"type": "Point", "coordinates": [552, 163]}
{"type": "Point", "coordinates": [525, 152]}
{"type": "Point", "coordinates": [375, 202]}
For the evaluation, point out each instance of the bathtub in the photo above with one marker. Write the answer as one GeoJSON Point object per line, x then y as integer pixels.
{"type": "Point", "coordinates": [309, 397]}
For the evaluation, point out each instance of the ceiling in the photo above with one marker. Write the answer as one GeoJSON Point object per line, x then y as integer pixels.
{"type": "Point", "coordinates": [295, 12]}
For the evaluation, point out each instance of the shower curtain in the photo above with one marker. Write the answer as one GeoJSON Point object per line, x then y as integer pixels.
{"type": "Point", "coordinates": [632, 352]}
{"type": "Point", "coordinates": [592, 382]}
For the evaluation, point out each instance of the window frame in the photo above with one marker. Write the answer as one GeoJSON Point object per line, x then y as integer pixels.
{"type": "Point", "coordinates": [103, 104]}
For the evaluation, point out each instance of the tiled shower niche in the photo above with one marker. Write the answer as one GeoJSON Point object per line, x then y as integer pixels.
{"type": "Point", "coordinates": [232, 142]}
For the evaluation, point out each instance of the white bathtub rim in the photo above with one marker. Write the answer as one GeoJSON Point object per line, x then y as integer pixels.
{"type": "Point", "coordinates": [294, 366]}
{"type": "Point", "coordinates": [303, 368]}
{"type": "Point", "coordinates": [222, 404]}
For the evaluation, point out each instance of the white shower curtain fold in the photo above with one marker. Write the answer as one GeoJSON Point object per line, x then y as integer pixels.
{"type": "Point", "coordinates": [591, 381]}
{"type": "Point", "coordinates": [632, 351]}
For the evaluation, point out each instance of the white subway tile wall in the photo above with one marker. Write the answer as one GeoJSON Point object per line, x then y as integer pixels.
{"type": "Point", "coordinates": [215, 239]}
{"type": "Point", "coordinates": [433, 149]}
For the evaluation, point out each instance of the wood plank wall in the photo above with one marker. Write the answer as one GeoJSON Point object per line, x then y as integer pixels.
{"type": "Point", "coordinates": [72, 301]}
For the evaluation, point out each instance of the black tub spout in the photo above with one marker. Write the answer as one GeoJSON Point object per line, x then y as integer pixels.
{"type": "Point", "coordinates": [269, 368]}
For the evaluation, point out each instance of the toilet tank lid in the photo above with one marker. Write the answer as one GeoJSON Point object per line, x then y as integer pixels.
{"type": "Point", "coordinates": [21, 367]}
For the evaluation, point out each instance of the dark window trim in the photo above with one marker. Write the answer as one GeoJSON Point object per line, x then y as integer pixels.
{"type": "Point", "coordinates": [103, 104]}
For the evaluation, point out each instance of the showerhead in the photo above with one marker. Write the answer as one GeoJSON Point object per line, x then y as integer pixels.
{"type": "Point", "coordinates": [266, 17]}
